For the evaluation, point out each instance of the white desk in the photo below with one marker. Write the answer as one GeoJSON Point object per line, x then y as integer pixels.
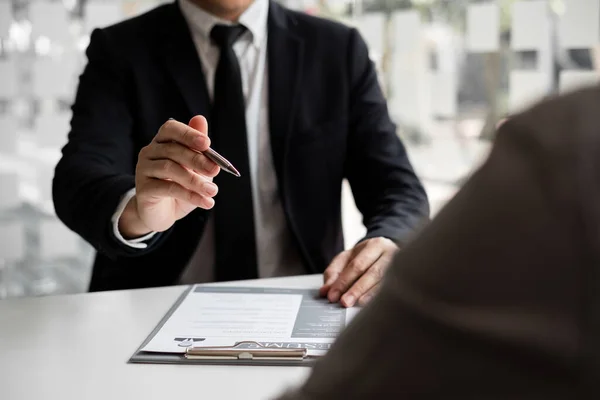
{"type": "Point", "coordinates": [77, 347]}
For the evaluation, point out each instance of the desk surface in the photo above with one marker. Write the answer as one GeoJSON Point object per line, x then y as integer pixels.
{"type": "Point", "coordinates": [77, 347]}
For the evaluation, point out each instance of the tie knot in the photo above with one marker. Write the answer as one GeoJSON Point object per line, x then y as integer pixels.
{"type": "Point", "coordinates": [225, 35]}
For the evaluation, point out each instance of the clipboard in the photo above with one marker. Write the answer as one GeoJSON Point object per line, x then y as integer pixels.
{"type": "Point", "coordinates": [237, 354]}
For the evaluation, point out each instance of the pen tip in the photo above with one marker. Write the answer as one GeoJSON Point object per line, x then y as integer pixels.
{"type": "Point", "coordinates": [235, 171]}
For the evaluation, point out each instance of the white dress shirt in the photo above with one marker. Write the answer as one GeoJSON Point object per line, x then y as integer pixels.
{"type": "Point", "coordinates": [276, 252]}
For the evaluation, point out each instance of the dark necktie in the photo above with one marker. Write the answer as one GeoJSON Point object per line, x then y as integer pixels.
{"type": "Point", "coordinates": [234, 215]}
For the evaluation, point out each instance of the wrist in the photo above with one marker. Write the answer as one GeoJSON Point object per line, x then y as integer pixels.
{"type": "Point", "coordinates": [131, 225]}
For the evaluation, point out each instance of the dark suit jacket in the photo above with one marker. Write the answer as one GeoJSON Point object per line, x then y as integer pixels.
{"type": "Point", "coordinates": [328, 120]}
{"type": "Point", "coordinates": [499, 297]}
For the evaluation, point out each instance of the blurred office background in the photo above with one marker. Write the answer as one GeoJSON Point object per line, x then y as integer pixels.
{"type": "Point", "coordinates": [450, 69]}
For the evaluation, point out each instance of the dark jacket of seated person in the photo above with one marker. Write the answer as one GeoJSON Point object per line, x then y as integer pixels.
{"type": "Point", "coordinates": [499, 297]}
{"type": "Point", "coordinates": [327, 121]}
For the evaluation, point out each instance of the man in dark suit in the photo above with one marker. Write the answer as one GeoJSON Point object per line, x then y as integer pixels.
{"type": "Point", "coordinates": [291, 100]}
{"type": "Point", "coordinates": [499, 297]}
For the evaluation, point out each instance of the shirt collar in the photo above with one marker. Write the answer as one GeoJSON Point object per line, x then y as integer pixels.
{"type": "Point", "coordinates": [254, 19]}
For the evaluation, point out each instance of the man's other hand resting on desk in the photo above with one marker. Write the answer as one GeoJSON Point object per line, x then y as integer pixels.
{"type": "Point", "coordinates": [353, 277]}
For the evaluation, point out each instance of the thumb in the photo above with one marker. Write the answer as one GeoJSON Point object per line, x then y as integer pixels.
{"type": "Point", "coordinates": [200, 124]}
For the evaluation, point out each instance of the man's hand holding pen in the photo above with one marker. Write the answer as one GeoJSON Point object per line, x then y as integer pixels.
{"type": "Point", "coordinates": [172, 178]}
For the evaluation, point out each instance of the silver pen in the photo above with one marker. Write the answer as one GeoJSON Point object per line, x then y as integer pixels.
{"type": "Point", "coordinates": [218, 159]}
{"type": "Point", "coordinates": [221, 161]}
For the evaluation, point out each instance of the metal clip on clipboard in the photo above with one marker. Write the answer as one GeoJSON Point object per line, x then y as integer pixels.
{"type": "Point", "coordinates": [236, 352]}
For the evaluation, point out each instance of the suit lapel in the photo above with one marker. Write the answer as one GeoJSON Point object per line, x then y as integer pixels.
{"type": "Point", "coordinates": [183, 63]}
{"type": "Point", "coordinates": [285, 52]}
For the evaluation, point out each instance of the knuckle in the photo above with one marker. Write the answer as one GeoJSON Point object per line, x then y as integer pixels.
{"type": "Point", "coordinates": [169, 150]}
{"type": "Point", "coordinates": [144, 152]}
{"type": "Point", "coordinates": [198, 160]}
{"type": "Point", "coordinates": [166, 166]}
{"type": "Point", "coordinates": [164, 128]}
{"type": "Point", "coordinates": [356, 265]}
{"type": "Point", "coordinates": [186, 136]}
{"type": "Point", "coordinates": [193, 180]}
{"type": "Point", "coordinates": [378, 272]}
{"type": "Point", "coordinates": [171, 189]}
{"type": "Point", "coordinates": [168, 125]}
{"type": "Point", "coordinates": [342, 283]}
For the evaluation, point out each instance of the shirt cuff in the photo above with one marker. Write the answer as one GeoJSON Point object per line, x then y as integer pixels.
{"type": "Point", "coordinates": [137, 243]}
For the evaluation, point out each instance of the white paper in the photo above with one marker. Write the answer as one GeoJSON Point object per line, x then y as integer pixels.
{"type": "Point", "coordinates": [9, 134]}
{"type": "Point", "coordinates": [483, 27]}
{"type": "Point", "coordinates": [49, 19]}
{"type": "Point", "coordinates": [8, 79]}
{"type": "Point", "coordinates": [579, 26]}
{"type": "Point", "coordinates": [530, 25]}
{"type": "Point", "coordinates": [12, 241]}
{"type": "Point", "coordinates": [5, 17]}
{"type": "Point", "coordinates": [99, 14]}
{"type": "Point", "coordinates": [275, 318]}
{"type": "Point", "coordinates": [57, 241]}
{"type": "Point", "coordinates": [9, 189]}
{"type": "Point", "coordinates": [526, 88]}
{"type": "Point", "coordinates": [573, 80]}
